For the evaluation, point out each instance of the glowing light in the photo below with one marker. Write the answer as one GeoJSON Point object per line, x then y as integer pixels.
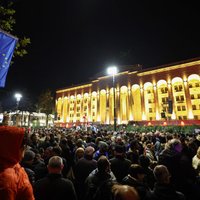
{"type": "Point", "coordinates": [149, 124]}
{"type": "Point", "coordinates": [164, 123]}
{"type": "Point", "coordinates": [182, 123]}
{"type": "Point", "coordinates": [112, 70]}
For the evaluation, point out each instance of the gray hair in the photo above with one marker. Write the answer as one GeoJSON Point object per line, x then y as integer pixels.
{"type": "Point", "coordinates": [55, 162]}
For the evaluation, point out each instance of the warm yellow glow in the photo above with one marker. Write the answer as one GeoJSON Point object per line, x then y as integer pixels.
{"type": "Point", "coordinates": [164, 69]}
{"type": "Point", "coordinates": [190, 114]}
{"type": "Point", "coordinates": [158, 115]}
{"type": "Point", "coordinates": [173, 116]}
{"type": "Point", "coordinates": [164, 123]}
{"type": "Point", "coordinates": [144, 117]}
{"type": "Point", "coordinates": [130, 117]}
{"type": "Point", "coordinates": [194, 76]}
{"type": "Point", "coordinates": [182, 123]}
{"type": "Point", "coordinates": [176, 79]}
{"type": "Point", "coordinates": [161, 82]}
{"type": "Point", "coordinates": [149, 123]}
{"type": "Point", "coordinates": [74, 88]}
{"type": "Point", "coordinates": [147, 84]}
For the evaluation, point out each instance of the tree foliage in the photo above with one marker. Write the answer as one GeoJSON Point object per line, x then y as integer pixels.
{"type": "Point", "coordinates": [7, 23]}
{"type": "Point", "coordinates": [46, 102]}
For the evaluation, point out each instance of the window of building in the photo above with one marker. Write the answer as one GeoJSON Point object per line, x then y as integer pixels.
{"type": "Point", "coordinates": [197, 84]}
{"type": "Point", "coordinates": [78, 114]}
{"type": "Point", "coordinates": [150, 110]}
{"type": "Point", "coordinates": [93, 114]}
{"type": "Point", "coordinates": [85, 100]}
{"type": "Point", "coordinates": [192, 96]}
{"type": "Point", "coordinates": [194, 107]}
{"type": "Point", "coordinates": [183, 108]}
{"type": "Point", "coordinates": [198, 96]}
{"type": "Point", "coordinates": [178, 108]}
{"type": "Point", "coordinates": [182, 98]}
{"type": "Point", "coordinates": [85, 108]}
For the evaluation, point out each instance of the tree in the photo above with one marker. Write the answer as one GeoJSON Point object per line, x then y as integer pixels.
{"type": "Point", "coordinates": [7, 22]}
{"type": "Point", "coordinates": [46, 104]}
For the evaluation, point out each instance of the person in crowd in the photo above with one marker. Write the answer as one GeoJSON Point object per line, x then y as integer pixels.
{"type": "Point", "coordinates": [83, 168]}
{"type": "Point", "coordinates": [14, 181]}
{"type": "Point", "coordinates": [163, 189]}
{"type": "Point", "coordinates": [119, 163]}
{"type": "Point", "coordinates": [183, 175]}
{"type": "Point", "coordinates": [54, 186]}
{"type": "Point", "coordinates": [99, 182]}
{"type": "Point", "coordinates": [196, 162]}
{"type": "Point", "coordinates": [135, 178]}
{"type": "Point", "coordinates": [27, 164]}
{"type": "Point", "coordinates": [133, 152]}
{"type": "Point", "coordinates": [124, 192]}
{"type": "Point", "coordinates": [79, 153]}
{"type": "Point", "coordinates": [149, 179]}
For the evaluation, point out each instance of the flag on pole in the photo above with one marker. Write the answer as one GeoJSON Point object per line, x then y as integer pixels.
{"type": "Point", "coordinates": [7, 47]}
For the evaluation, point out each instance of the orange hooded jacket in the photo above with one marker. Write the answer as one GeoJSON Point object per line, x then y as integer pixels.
{"type": "Point", "coordinates": [14, 182]}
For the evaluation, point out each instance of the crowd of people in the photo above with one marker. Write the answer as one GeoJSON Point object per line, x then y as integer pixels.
{"type": "Point", "coordinates": [57, 163]}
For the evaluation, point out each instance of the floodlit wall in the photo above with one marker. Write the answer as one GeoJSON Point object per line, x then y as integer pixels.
{"type": "Point", "coordinates": [139, 95]}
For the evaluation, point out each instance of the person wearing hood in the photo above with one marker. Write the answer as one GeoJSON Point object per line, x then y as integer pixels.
{"type": "Point", "coordinates": [14, 181]}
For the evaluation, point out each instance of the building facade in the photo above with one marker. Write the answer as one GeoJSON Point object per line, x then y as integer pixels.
{"type": "Point", "coordinates": [168, 92]}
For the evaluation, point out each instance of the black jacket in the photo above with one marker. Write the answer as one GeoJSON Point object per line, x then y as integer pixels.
{"type": "Point", "coordinates": [54, 187]}
{"type": "Point", "coordinates": [164, 192]}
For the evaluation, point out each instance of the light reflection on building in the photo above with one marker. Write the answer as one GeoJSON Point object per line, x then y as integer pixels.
{"type": "Point", "coordinates": [141, 94]}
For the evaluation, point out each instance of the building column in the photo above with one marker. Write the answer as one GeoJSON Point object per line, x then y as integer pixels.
{"type": "Point", "coordinates": [98, 107]}
{"type": "Point", "coordinates": [188, 101]}
{"type": "Point", "coordinates": [89, 108]}
{"type": "Point", "coordinates": [144, 117]}
{"type": "Point", "coordinates": [156, 102]}
{"type": "Point", "coordinates": [117, 103]}
{"type": "Point", "coordinates": [170, 97]}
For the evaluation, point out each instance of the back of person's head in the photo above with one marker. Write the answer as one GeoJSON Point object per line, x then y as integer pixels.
{"type": "Point", "coordinates": [12, 145]}
{"type": "Point", "coordinates": [135, 170]}
{"type": "Point", "coordinates": [124, 192]}
{"type": "Point", "coordinates": [55, 164]}
{"type": "Point", "coordinates": [29, 156]}
{"type": "Point", "coordinates": [57, 150]}
{"type": "Point", "coordinates": [144, 161]}
{"type": "Point", "coordinates": [89, 151]}
{"type": "Point", "coordinates": [79, 152]}
{"type": "Point", "coordinates": [175, 145]}
{"type": "Point", "coordinates": [161, 174]}
{"type": "Point", "coordinates": [103, 164]}
{"type": "Point", "coordinates": [119, 149]}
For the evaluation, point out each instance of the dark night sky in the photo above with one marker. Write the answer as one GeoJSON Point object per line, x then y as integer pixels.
{"type": "Point", "coordinates": [72, 40]}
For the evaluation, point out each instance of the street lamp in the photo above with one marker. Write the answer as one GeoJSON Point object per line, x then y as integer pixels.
{"type": "Point", "coordinates": [113, 71]}
{"type": "Point", "coordinates": [18, 97]}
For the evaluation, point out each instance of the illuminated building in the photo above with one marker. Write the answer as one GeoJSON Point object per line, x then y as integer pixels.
{"type": "Point", "coordinates": [169, 92]}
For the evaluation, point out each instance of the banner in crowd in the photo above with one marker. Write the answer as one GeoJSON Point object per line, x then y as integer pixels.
{"type": "Point", "coordinates": [7, 47]}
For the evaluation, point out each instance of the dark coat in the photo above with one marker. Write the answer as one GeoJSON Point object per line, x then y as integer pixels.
{"type": "Point", "coordinates": [164, 192]}
{"type": "Point", "coordinates": [141, 188]}
{"type": "Point", "coordinates": [54, 186]}
{"type": "Point", "coordinates": [98, 185]}
{"type": "Point", "coordinates": [120, 167]}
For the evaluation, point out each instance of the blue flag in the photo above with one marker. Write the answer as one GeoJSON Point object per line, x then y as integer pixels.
{"type": "Point", "coordinates": [7, 47]}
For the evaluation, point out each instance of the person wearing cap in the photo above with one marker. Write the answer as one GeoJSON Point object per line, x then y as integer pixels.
{"type": "Point", "coordinates": [135, 178]}
{"type": "Point", "coordinates": [14, 181]}
{"type": "Point", "coordinates": [83, 168]}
